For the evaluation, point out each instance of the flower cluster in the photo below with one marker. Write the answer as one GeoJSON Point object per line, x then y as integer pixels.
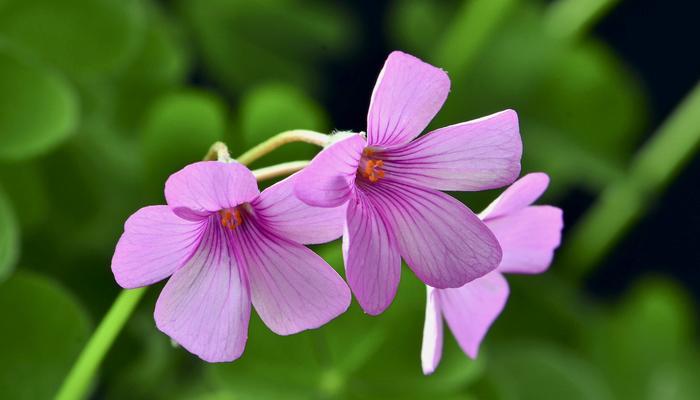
{"type": "Point", "coordinates": [227, 246]}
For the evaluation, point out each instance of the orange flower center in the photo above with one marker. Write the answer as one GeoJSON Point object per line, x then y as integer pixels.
{"type": "Point", "coordinates": [231, 218]}
{"type": "Point", "coordinates": [370, 166]}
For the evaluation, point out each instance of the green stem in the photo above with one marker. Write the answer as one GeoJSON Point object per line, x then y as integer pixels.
{"type": "Point", "coordinates": [626, 199]}
{"type": "Point", "coordinates": [297, 135]}
{"type": "Point", "coordinates": [570, 19]}
{"type": "Point", "coordinates": [469, 31]}
{"type": "Point", "coordinates": [78, 381]}
{"type": "Point", "coordinates": [282, 169]}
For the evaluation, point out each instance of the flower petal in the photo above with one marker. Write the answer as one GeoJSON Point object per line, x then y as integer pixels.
{"type": "Point", "coordinates": [431, 351]}
{"type": "Point", "coordinates": [154, 245]}
{"type": "Point", "coordinates": [372, 261]}
{"type": "Point", "coordinates": [328, 180]}
{"type": "Point", "coordinates": [442, 241]}
{"type": "Point", "coordinates": [293, 219]}
{"type": "Point", "coordinates": [471, 309]}
{"type": "Point", "coordinates": [519, 195]}
{"type": "Point", "coordinates": [407, 95]}
{"type": "Point", "coordinates": [205, 306]}
{"type": "Point", "coordinates": [475, 155]}
{"type": "Point", "coordinates": [292, 288]}
{"type": "Point", "coordinates": [528, 238]}
{"type": "Point", "coordinates": [209, 186]}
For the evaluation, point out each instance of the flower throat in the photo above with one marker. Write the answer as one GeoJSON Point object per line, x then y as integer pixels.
{"type": "Point", "coordinates": [370, 166]}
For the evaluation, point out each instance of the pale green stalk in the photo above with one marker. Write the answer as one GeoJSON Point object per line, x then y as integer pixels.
{"type": "Point", "coordinates": [297, 135]}
{"type": "Point", "coordinates": [278, 170]}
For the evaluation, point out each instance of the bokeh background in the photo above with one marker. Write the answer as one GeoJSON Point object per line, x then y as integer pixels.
{"type": "Point", "coordinates": [100, 100]}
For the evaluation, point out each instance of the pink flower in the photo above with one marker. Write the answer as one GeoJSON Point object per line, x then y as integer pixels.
{"type": "Point", "coordinates": [528, 236]}
{"type": "Point", "coordinates": [392, 184]}
{"type": "Point", "coordinates": [227, 245]}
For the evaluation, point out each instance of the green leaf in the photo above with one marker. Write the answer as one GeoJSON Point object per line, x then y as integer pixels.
{"type": "Point", "coordinates": [675, 381]}
{"type": "Point", "coordinates": [179, 129]}
{"type": "Point", "coordinates": [645, 340]}
{"type": "Point", "coordinates": [540, 371]}
{"type": "Point", "coordinates": [26, 188]}
{"type": "Point", "coordinates": [44, 329]}
{"type": "Point", "coordinates": [160, 65]}
{"type": "Point", "coordinates": [161, 59]}
{"type": "Point", "coordinates": [145, 366]}
{"type": "Point", "coordinates": [394, 369]}
{"type": "Point", "coordinates": [272, 366]}
{"type": "Point", "coordinates": [40, 109]}
{"type": "Point", "coordinates": [590, 110]}
{"type": "Point", "coordinates": [85, 38]}
{"type": "Point", "coordinates": [246, 43]}
{"type": "Point", "coordinates": [417, 23]}
{"type": "Point", "coordinates": [558, 317]}
{"type": "Point", "coordinates": [9, 237]}
{"type": "Point", "coordinates": [273, 108]}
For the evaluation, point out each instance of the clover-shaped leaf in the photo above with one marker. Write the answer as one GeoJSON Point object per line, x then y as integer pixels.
{"type": "Point", "coordinates": [39, 108]}
{"type": "Point", "coordinates": [179, 129]}
{"type": "Point", "coordinates": [86, 39]}
{"type": "Point", "coordinates": [239, 54]}
{"type": "Point", "coordinates": [44, 329]}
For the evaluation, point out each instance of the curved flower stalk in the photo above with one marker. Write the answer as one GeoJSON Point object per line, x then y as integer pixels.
{"type": "Point", "coordinates": [528, 236]}
{"type": "Point", "coordinates": [392, 186]}
{"type": "Point", "coordinates": [225, 245]}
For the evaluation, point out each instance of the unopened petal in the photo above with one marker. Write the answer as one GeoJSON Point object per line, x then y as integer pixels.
{"type": "Point", "coordinates": [205, 306]}
{"type": "Point", "coordinates": [406, 97]}
{"type": "Point", "coordinates": [154, 245]}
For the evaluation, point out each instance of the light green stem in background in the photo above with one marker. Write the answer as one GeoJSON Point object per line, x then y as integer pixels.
{"type": "Point", "coordinates": [478, 20]}
{"type": "Point", "coordinates": [571, 19]}
{"type": "Point", "coordinates": [282, 169]}
{"type": "Point", "coordinates": [78, 381]}
{"type": "Point", "coordinates": [472, 27]}
{"type": "Point", "coordinates": [297, 135]}
{"type": "Point", "coordinates": [626, 199]}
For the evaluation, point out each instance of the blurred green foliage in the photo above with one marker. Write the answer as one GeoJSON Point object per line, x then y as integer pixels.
{"type": "Point", "coordinates": [9, 236]}
{"type": "Point", "coordinates": [100, 100]}
{"type": "Point", "coordinates": [30, 91]}
{"type": "Point", "coordinates": [179, 126]}
{"type": "Point", "coordinates": [47, 329]}
{"type": "Point", "coordinates": [273, 108]}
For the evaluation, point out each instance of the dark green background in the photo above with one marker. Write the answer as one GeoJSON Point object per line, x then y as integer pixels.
{"type": "Point", "coordinates": [100, 100]}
